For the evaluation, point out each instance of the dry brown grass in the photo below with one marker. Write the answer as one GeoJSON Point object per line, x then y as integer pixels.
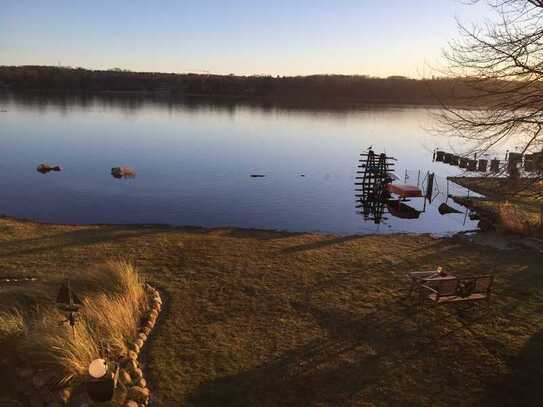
{"type": "Point", "coordinates": [515, 220]}
{"type": "Point", "coordinates": [113, 305]}
{"type": "Point", "coordinates": [256, 318]}
{"type": "Point", "coordinates": [514, 205]}
{"type": "Point", "coordinates": [11, 324]}
{"type": "Point", "coordinates": [49, 344]}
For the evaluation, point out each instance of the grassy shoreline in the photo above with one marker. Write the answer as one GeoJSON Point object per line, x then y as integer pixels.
{"type": "Point", "coordinates": [274, 318]}
{"type": "Point", "coordinates": [513, 206]}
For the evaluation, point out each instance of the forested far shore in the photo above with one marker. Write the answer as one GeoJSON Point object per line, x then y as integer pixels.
{"type": "Point", "coordinates": [396, 89]}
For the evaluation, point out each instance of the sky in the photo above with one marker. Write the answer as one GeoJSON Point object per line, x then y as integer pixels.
{"type": "Point", "coordinates": [246, 37]}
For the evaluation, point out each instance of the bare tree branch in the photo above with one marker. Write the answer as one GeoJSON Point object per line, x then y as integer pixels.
{"type": "Point", "coordinates": [501, 62]}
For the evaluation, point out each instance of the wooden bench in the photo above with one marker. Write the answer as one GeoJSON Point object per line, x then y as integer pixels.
{"type": "Point", "coordinates": [419, 278]}
{"type": "Point", "coordinates": [456, 289]}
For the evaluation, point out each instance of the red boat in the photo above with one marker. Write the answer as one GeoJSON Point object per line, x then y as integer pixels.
{"type": "Point", "coordinates": [404, 191]}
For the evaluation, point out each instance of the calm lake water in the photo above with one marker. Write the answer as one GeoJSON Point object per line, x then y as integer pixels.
{"type": "Point", "coordinates": [194, 159]}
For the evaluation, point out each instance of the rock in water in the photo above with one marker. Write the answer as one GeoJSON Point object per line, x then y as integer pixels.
{"type": "Point", "coordinates": [45, 168]}
{"type": "Point", "coordinates": [123, 172]}
{"type": "Point", "coordinates": [445, 209]}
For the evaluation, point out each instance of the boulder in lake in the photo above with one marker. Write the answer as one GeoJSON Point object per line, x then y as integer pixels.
{"type": "Point", "coordinates": [45, 168]}
{"type": "Point", "coordinates": [123, 172]}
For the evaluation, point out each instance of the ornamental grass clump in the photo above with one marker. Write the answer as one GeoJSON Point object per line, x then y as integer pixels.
{"type": "Point", "coordinates": [114, 300]}
{"type": "Point", "coordinates": [11, 324]}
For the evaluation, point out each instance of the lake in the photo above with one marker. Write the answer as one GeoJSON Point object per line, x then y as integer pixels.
{"type": "Point", "coordinates": [194, 159]}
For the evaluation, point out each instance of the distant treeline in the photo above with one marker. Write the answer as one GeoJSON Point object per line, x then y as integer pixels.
{"type": "Point", "coordinates": [395, 89]}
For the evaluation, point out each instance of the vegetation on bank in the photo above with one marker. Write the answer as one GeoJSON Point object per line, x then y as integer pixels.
{"type": "Point", "coordinates": [269, 318]}
{"type": "Point", "coordinates": [396, 89]}
{"type": "Point", "coordinates": [512, 205]}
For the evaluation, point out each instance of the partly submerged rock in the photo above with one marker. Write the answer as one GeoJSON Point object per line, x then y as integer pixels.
{"type": "Point", "coordinates": [123, 172]}
{"type": "Point", "coordinates": [45, 168]}
{"type": "Point", "coordinates": [257, 175]}
{"type": "Point", "coordinates": [445, 209]}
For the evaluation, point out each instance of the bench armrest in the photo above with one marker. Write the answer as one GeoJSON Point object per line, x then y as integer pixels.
{"type": "Point", "coordinates": [425, 287]}
{"type": "Point", "coordinates": [422, 274]}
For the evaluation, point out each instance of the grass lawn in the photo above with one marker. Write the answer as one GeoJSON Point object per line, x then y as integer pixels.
{"type": "Point", "coordinates": [269, 318]}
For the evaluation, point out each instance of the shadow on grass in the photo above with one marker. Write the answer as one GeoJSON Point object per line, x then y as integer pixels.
{"type": "Point", "coordinates": [522, 386]}
{"type": "Point", "coordinates": [26, 297]}
{"type": "Point", "coordinates": [304, 376]}
{"type": "Point", "coordinates": [255, 234]}
{"type": "Point", "coordinates": [77, 238]}
{"type": "Point", "coordinates": [321, 244]}
{"type": "Point", "coordinates": [273, 385]}
{"type": "Point", "coordinates": [8, 393]}
{"type": "Point", "coordinates": [354, 358]}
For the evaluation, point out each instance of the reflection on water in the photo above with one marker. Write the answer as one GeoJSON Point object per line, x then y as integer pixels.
{"type": "Point", "coordinates": [195, 159]}
{"type": "Point", "coordinates": [402, 210]}
{"type": "Point", "coordinates": [132, 103]}
{"type": "Point", "coordinates": [377, 187]}
{"type": "Point", "coordinates": [382, 207]}
{"type": "Point", "coordinates": [374, 173]}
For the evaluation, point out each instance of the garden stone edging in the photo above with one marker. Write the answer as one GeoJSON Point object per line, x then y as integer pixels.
{"type": "Point", "coordinates": [138, 393]}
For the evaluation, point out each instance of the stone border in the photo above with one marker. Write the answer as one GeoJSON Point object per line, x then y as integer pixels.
{"type": "Point", "coordinates": [36, 384]}
{"type": "Point", "coordinates": [130, 374]}
{"type": "Point", "coordinates": [17, 280]}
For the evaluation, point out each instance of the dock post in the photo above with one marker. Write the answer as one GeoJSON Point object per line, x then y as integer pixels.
{"type": "Point", "coordinates": [429, 185]}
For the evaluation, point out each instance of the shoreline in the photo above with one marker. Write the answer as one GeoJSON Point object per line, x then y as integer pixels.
{"type": "Point", "coordinates": [195, 228]}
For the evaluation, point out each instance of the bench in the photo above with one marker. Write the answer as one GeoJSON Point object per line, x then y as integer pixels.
{"type": "Point", "coordinates": [418, 278]}
{"type": "Point", "coordinates": [421, 277]}
{"type": "Point", "coordinates": [457, 289]}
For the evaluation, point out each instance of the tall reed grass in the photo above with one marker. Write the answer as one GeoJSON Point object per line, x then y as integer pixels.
{"type": "Point", "coordinates": [114, 301]}
{"type": "Point", "coordinates": [11, 324]}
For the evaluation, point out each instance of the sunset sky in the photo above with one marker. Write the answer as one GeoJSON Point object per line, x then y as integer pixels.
{"type": "Point", "coordinates": [280, 37]}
